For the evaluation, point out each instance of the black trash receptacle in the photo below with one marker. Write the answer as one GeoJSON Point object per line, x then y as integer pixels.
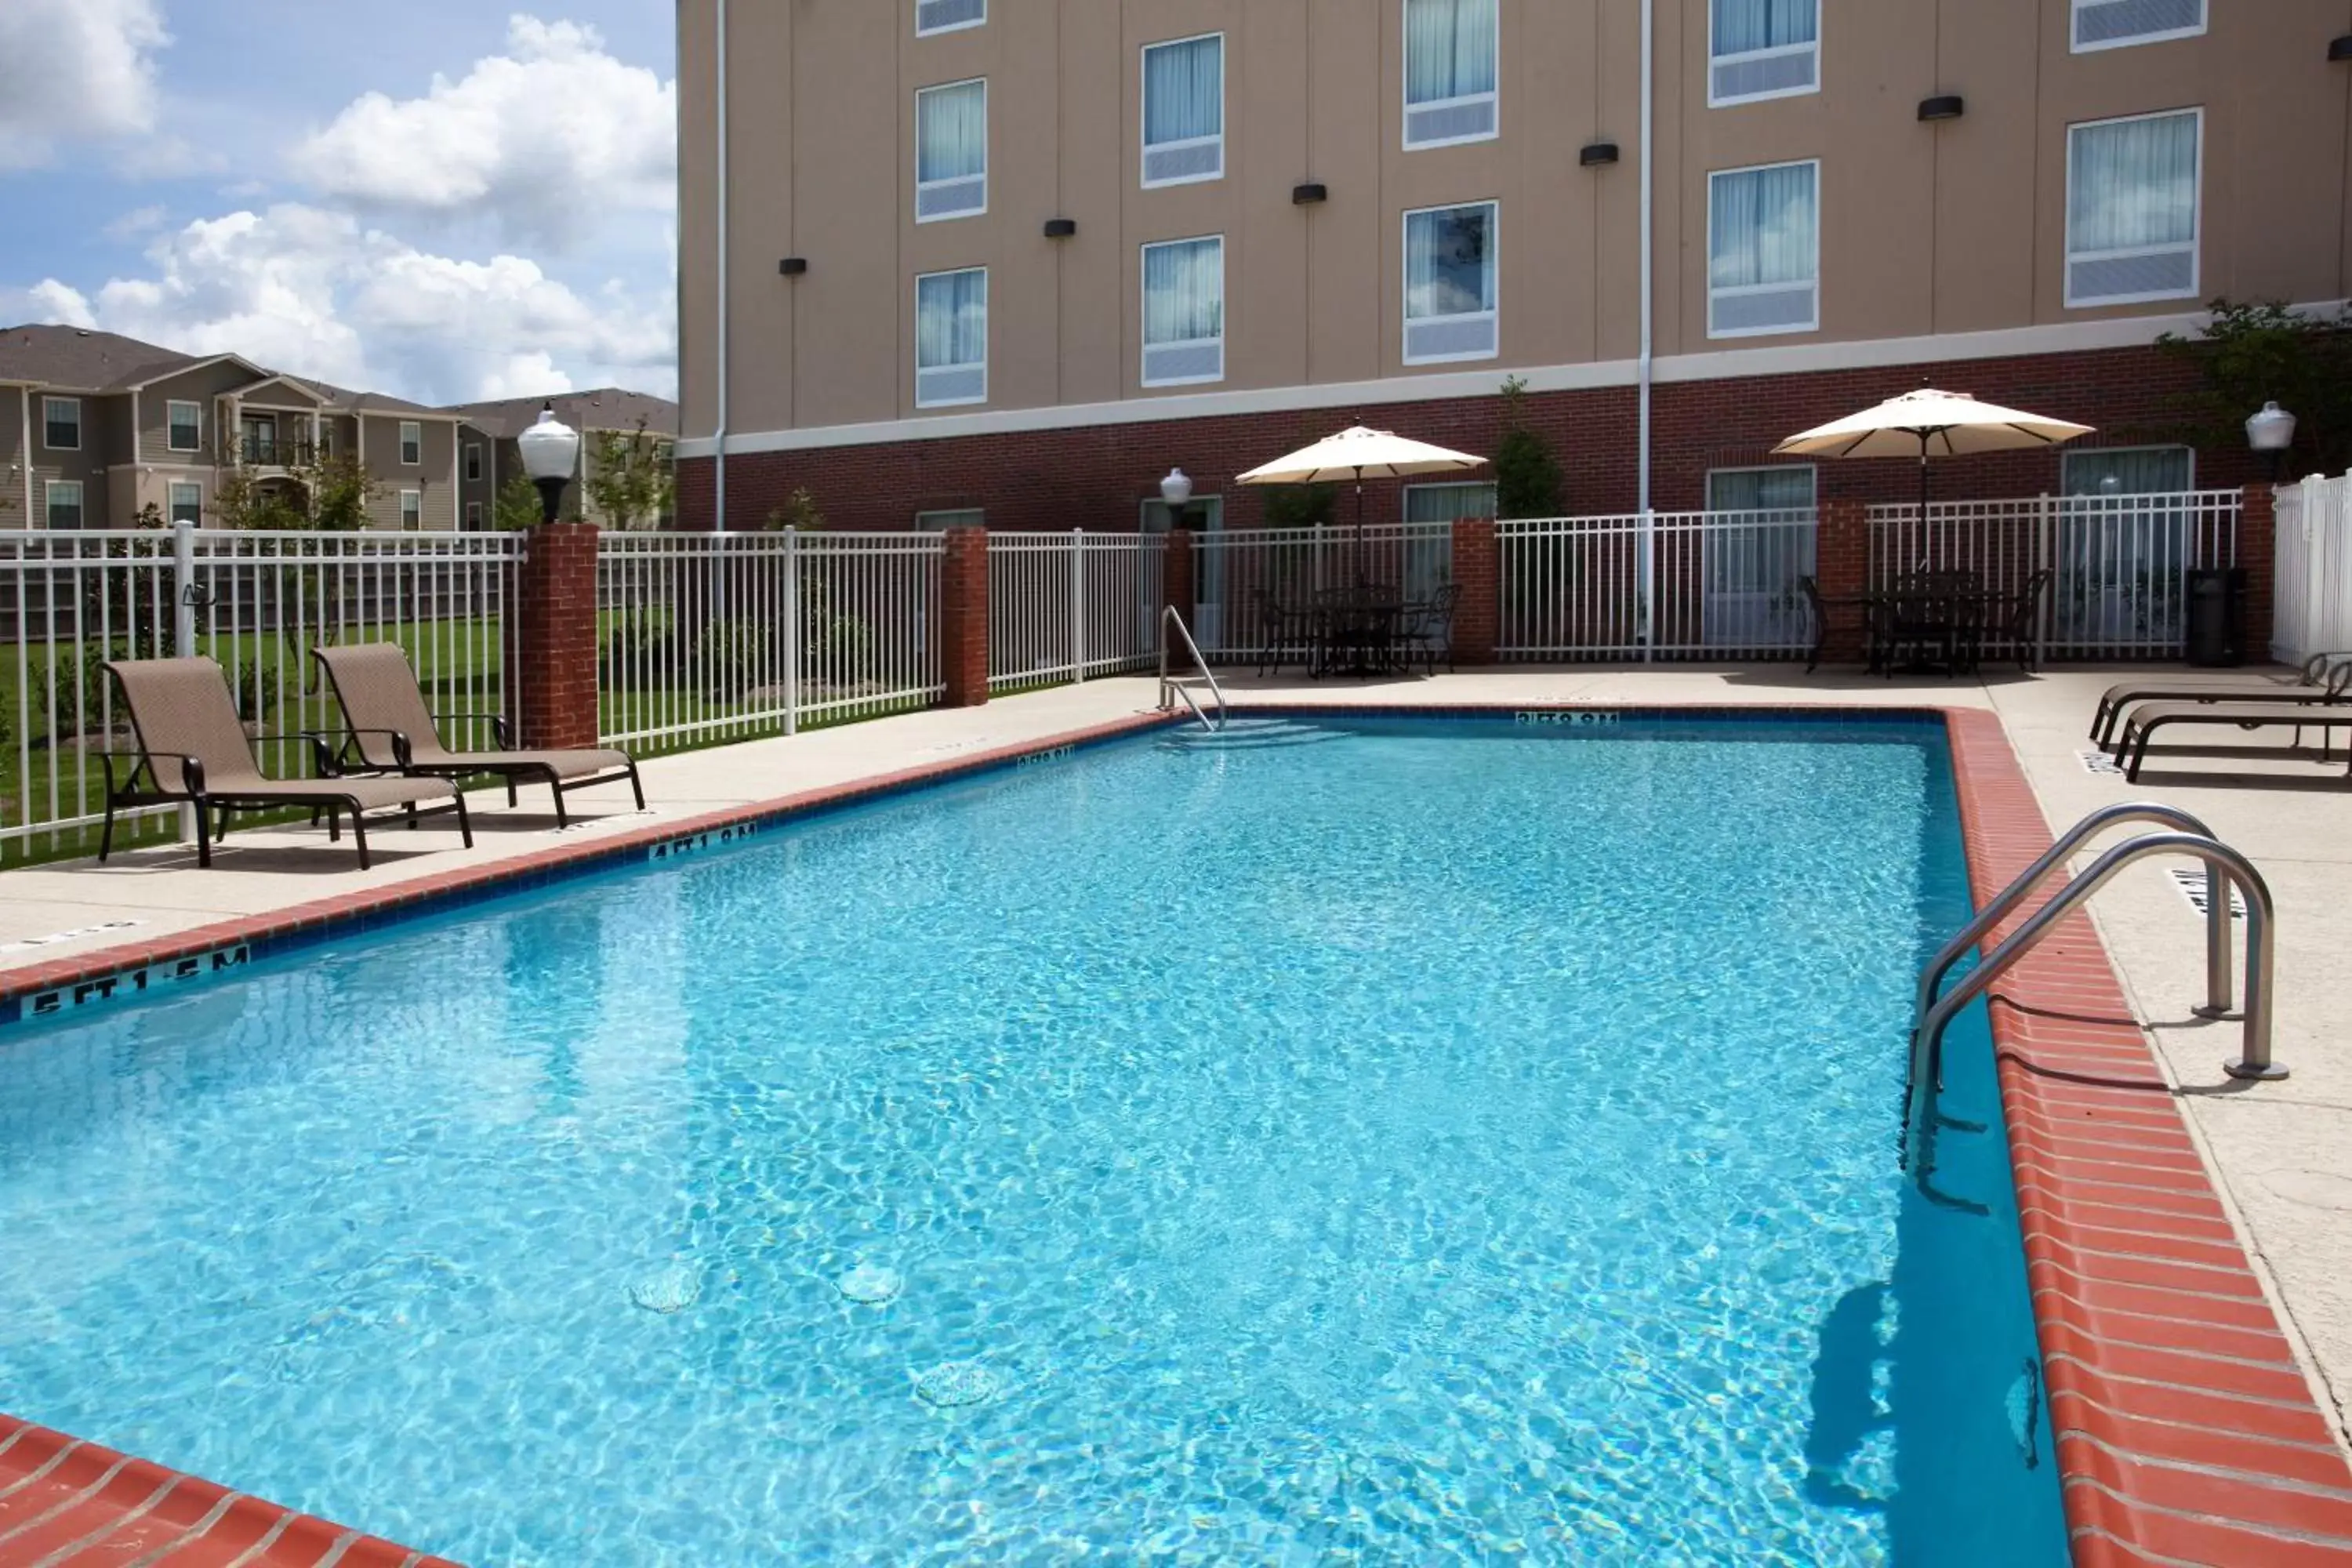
{"type": "Point", "coordinates": [2217, 616]}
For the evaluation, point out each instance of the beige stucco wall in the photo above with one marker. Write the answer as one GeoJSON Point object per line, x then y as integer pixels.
{"type": "Point", "coordinates": [1926, 229]}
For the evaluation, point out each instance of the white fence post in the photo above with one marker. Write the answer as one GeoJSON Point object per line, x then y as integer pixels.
{"type": "Point", "coordinates": [795, 629]}
{"type": "Point", "coordinates": [183, 591]}
{"type": "Point", "coordinates": [1078, 605]}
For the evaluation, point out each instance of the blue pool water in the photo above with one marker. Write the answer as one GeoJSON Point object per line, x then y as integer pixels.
{"type": "Point", "coordinates": [1378, 1142]}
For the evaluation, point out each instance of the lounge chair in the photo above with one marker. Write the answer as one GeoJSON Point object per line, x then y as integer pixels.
{"type": "Point", "coordinates": [2327, 709]}
{"type": "Point", "coordinates": [181, 713]}
{"type": "Point", "coordinates": [388, 729]}
{"type": "Point", "coordinates": [2305, 686]}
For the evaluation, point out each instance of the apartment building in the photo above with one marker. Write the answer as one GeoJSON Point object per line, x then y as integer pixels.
{"type": "Point", "coordinates": [1018, 258]}
{"type": "Point", "coordinates": [487, 457]}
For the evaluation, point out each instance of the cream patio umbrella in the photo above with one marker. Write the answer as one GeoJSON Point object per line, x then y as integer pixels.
{"type": "Point", "coordinates": [1358, 454]}
{"type": "Point", "coordinates": [1929, 423]}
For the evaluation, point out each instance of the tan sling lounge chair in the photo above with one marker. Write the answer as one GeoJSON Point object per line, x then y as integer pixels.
{"type": "Point", "coordinates": [391, 730]}
{"type": "Point", "coordinates": [192, 748]}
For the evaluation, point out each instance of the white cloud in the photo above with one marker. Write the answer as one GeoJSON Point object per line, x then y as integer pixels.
{"type": "Point", "coordinates": [75, 69]}
{"type": "Point", "coordinates": [136, 222]}
{"type": "Point", "coordinates": [47, 302]}
{"type": "Point", "coordinates": [545, 142]}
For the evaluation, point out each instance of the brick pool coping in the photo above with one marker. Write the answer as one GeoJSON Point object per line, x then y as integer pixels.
{"type": "Point", "coordinates": [2184, 1427]}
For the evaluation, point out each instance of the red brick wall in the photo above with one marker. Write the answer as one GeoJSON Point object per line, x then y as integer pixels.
{"type": "Point", "coordinates": [963, 617]}
{"type": "Point", "coordinates": [1176, 573]}
{"type": "Point", "coordinates": [1477, 570]}
{"type": "Point", "coordinates": [558, 642]}
{"type": "Point", "coordinates": [2258, 554]}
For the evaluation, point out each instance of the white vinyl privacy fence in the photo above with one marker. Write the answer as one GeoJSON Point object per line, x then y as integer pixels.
{"type": "Point", "coordinates": [2312, 598]}
{"type": "Point", "coordinates": [257, 603]}
{"type": "Point", "coordinates": [1721, 584]}
{"type": "Point", "coordinates": [1068, 606]}
{"type": "Point", "coordinates": [1244, 577]}
{"type": "Point", "coordinates": [716, 636]}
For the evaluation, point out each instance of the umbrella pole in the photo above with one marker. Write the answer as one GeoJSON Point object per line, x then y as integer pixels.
{"type": "Point", "coordinates": [1360, 530]}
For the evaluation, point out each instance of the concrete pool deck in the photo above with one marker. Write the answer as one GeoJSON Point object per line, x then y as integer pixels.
{"type": "Point", "coordinates": [2278, 1152]}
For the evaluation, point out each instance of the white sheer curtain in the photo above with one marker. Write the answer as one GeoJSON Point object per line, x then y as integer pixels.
{"type": "Point", "coordinates": [1184, 92]}
{"type": "Point", "coordinates": [951, 319]}
{"type": "Point", "coordinates": [1447, 503]}
{"type": "Point", "coordinates": [1741, 25]}
{"type": "Point", "coordinates": [2133, 184]}
{"type": "Point", "coordinates": [1449, 262]}
{"type": "Point", "coordinates": [1761, 227]}
{"type": "Point", "coordinates": [1449, 50]}
{"type": "Point", "coordinates": [1183, 291]}
{"type": "Point", "coordinates": [1760, 489]}
{"type": "Point", "coordinates": [953, 132]}
{"type": "Point", "coordinates": [2136, 470]}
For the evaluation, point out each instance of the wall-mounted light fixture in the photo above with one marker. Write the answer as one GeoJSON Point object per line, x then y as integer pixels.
{"type": "Point", "coordinates": [793, 266]}
{"type": "Point", "coordinates": [1061, 228]}
{"type": "Point", "coordinates": [1307, 194]}
{"type": "Point", "coordinates": [2340, 49]}
{"type": "Point", "coordinates": [1593, 155]}
{"type": "Point", "coordinates": [1950, 106]}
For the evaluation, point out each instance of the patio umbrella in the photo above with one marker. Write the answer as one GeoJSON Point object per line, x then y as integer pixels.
{"type": "Point", "coordinates": [1359, 454]}
{"type": "Point", "coordinates": [1929, 423]}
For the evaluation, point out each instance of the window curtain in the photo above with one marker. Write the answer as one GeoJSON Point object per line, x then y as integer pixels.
{"type": "Point", "coordinates": [1184, 92]}
{"type": "Point", "coordinates": [953, 136]}
{"type": "Point", "coordinates": [2133, 184]}
{"type": "Point", "coordinates": [1448, 503]}
{"type": "Point", "coordinates": [1760, 489]}
{"type": "Point", "coordinates": [1449, 50]}
{"type": "Point", "coordinates": [1449, 262]}
{"type": "Point", "coordinates": [1761, 227]}
{"type": "Point", "coordinates": [1183, 291]}
{"type": "Point", "coordinates": [951, 319]}
{"type": "Point", "coordinates": [1741, 25]}
{"type": "Point", "coordinates": [2138, 471]}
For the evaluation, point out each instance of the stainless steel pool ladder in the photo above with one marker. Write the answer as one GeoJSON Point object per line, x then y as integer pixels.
{"type": "Point", "coordinates": [2224, 867]}
{"type": "Point", "coordinates": [1173, 686]}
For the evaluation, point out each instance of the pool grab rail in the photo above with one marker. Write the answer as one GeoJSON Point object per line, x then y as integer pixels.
{"type": "Point", "coordinates": [2255, 1062]}
{"type": "Point", "coordinates": [1174, 686]}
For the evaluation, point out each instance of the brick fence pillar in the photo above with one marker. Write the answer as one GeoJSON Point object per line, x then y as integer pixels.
{"type": "Point", "coordinates": [963, 617]}
{"type": "Point", "coordinates": [1176, 577]}
{"type": "Point", "coordinates": [558, 645]}
{"type": "Point", "coordinates": [1477, 572]}
{"type": "Point", "coordinates": [1842, 570]}
{"type": "Point", "coordinates": [2258, 554]}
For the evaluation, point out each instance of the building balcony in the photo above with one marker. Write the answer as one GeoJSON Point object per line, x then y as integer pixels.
{"type": "Point", "coordinates": [258, 449]}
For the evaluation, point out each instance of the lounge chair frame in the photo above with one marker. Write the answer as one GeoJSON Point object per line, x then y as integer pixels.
{"type": "Point", "coordinates": [2328, 711]}
{"type": "Point", "coordinates": [2308, 683]}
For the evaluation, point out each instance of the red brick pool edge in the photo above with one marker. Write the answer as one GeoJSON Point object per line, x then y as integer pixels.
{"type": "Point", "coordinates": [2185, 1429]}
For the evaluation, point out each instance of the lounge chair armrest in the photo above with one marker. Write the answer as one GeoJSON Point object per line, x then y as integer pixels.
{"type": "Point", "coordinates": [334, 749]}
{"type": "Point", "coordinates": [499, 732]}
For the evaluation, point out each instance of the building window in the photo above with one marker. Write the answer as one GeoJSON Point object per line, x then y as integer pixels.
{"type": "Point", "coordinates": [186, 502]}
{"type": "Point", "coordinates": [950, 151]}
{"type": "Point", "coordinates": [61, 424]}
{"type": "Point", "coordinates": [1184, 312]}
{"type": "Point", "coordinates": [1786, 487]}
{"type": "Point", "coordinates": [1450, 50]}
{"type": "Point", "coordinates": [1447, 503]}
{"type": "Point", "coordinates": [473, 514]}
{"type": "Point", "coordinates": [412, 510]}
{"type": "Point", "coordinates": [941, 522]}
{"type": "Point", "coordinates": [1184, 111]}
{"type": "Point", "coordinates": [2128, 471]}
{"type": "Point", "coordinates": [473, 460]}
{"type": "Point", "coordinates": [64, 498]}
{"type": "Point", "coordinates": [1764, 252]}
{"type": "Point", "coordinates": [948, 15]}
{"type": "Point", "coordinates": [326, 440]}
{"type": "Point", "coordinates": [1450, 306]}
{"type": "Point", "coordinates": [2131, 209]}
{"type": "Point", "coordinates": [1762, 48]}
{"type": "Point", "coordinates": [184, 425]}
{"type": "Point", "coordinates": [411, 442]}
{"type": "Point", "coordinates": [2113, 24]}
{"type": "Point", "coordinates": [951, 338]}
{"type": "Point", "coordinates": [1203, 514]}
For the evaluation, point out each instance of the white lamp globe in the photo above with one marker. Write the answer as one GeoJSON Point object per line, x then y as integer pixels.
{"type": "Point", "coordinates": [1176, 488]}
{"type": "Point", "coordinates": [549, 448]}
{"type": "Point", "coordinates": [2272, 430]}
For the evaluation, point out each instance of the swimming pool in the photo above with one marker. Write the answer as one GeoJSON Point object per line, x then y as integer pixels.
{"type": "Point", "coordinates": [1408, 1141]}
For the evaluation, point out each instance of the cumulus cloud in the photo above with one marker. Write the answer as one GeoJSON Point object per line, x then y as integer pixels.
{"type": "Point", "coordinates": [72, 69]}
{"type": "Point", "coordinates": [47, 302]}
{"type": "Point", "coordinates": [544, 142]}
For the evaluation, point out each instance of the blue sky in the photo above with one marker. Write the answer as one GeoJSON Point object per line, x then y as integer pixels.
{"type": "Point", "coordinates": [454, 200]}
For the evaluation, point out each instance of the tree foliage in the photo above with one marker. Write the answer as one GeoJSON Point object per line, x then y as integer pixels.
{"type": "Point", "coordinates": [630, 480]}
{"type": "Point", "coordinates": [517, 505]}
{"type": "Point", "coordinates": [799, 511]}
{"type": "Point", "coordinates": [2249, 354]}
{"type": "Point", "coordinates": [1300, 506]}
{"type": "Point", "coordinates": [328, 494]}
{"type": "Point", "coordinates": [1526, 475]}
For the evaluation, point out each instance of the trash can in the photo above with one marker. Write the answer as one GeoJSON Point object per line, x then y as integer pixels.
{"type": "Point", "coordinates": [2217, 616]}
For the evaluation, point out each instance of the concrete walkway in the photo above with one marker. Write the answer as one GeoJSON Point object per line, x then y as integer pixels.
{"type": "Point", "coordinates": [2282, 1152]}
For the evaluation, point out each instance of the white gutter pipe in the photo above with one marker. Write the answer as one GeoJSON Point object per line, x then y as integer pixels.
{"type": "Point", "coordinates": [1646, 566]}
{"type": "Point", "coordinates": [726, 200]}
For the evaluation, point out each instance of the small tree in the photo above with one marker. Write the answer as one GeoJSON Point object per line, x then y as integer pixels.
{"type": "Point", "coordinates": [517, 504]}
{"type": "Point", "coordinates": [328, 495]}
{"type": "Point", "coordinates": [1301, 506]}
{"type": "Point", "coordinates": [799, 511]}
{"type": "Point", "coordinates": [2249, 354]}
{"type": "Point", "coordinates": [630, 480]}
{"type": "Point", "coordinates": [1526, 475]}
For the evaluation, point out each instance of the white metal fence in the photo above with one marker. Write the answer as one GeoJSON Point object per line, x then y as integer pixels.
{"type": "Point", "coordinates": [2312, 598]}
{"type": "Point", "coordinates": [1720, 586]}
{"type": "Point", "coordinates": [2118, 564]}
{"type": "Point", "coordinates": [1067, 606]}
{"type": "Point", "coordinates": [717, 637]}
{"type": "Point", "coordinates": [256, 602]}
{"type": "Point", "coordinates": [1238, 577]}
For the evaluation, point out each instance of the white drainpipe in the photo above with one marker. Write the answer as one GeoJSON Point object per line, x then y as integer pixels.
{"type": "Point", "coordinates": [726, 199]}
{"type": "Point", "coordinates": [1649, 265]}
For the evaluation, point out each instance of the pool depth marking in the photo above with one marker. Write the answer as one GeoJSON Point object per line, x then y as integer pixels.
{"type": "Point", "coordinates": [687, 843]}
{"type": "Point", "coordinates": [136, 981]}
{"type": "Point", "coordinates": [1568, 718]}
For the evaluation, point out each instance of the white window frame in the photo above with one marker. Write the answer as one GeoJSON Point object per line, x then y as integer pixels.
{"type": "Point", "coordinates": [1712, 292]}
{"type": "Point", "coordinates": [2067, 456]}
{"type": "Point", "coordinates": [1216, 504]}
{"type": "Point", "coordinates": [412, 504]}
{"type": "Point", "coordinates": [987, 152]}
{"type": "Point", "coordinates": [1404, 88]}
{"type": "Point", "coordinates": [2197, 217]}
{"type": "Point", "coordinates": [923, 32]}
{"type": "Point", "coordinates": [50, 489]}
{"type": "Point", "coordinates": [2075, 32]}
{"type": "Point", "coordinates": [473, 462]}
{"type": "Point", "coordinates": [1783, 51]}
{"type": "Point", "coordinates": [1143, 312]}
{"type": "Point", "coordinates": [473, 515]}
{"type": "Point", "coordinates": [411, 437]}
{"type": "Point", "coordinates": [172, 406]}
{"type": "Point", "coordinates": [1405, 319]}
{"type": "Point", "coordinates": [940, 522]}
{"type": "Point", "coordinates": [48, 403]}
{"type": "Point", "coordinates": [1143, 113]}
{"type": "Point", "coordinates": [171, 501]}
{"type": "Point", "coordinates": [921, 402]}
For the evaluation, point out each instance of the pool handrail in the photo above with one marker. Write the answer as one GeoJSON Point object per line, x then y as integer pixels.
{"type": "Point", "coordinates": [1170, 686]}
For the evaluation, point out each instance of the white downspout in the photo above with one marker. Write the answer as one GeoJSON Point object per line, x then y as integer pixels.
{"type": "Point", "coordinates": [1648, 268]}
{"type": "Point", "coordinates": [726, 199]}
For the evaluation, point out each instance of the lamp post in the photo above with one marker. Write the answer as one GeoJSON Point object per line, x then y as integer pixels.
{"type": "Point", "coordinates": [2271, 433]}
{"type": "Point", "coordinates": [550, 450]}
{"type": "Point", "coordinates": [1176, 489]}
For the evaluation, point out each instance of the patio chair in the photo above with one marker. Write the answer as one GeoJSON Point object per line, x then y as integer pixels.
{"type": "Point", "coordinates": [2019, 620]}
{"type": "Point", "coordinates": [181, 714]}
{"type": "Point", "coordinates": [1282, 633]}
{"type": "Point", "coordinates": [389, 730]}
{"type": "Point", "coordinates": [2306, 683]}
{"type": "Point", "coordinates": [1427, 630]}
{"type": "Point", "coordinates": [2327, 709]}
